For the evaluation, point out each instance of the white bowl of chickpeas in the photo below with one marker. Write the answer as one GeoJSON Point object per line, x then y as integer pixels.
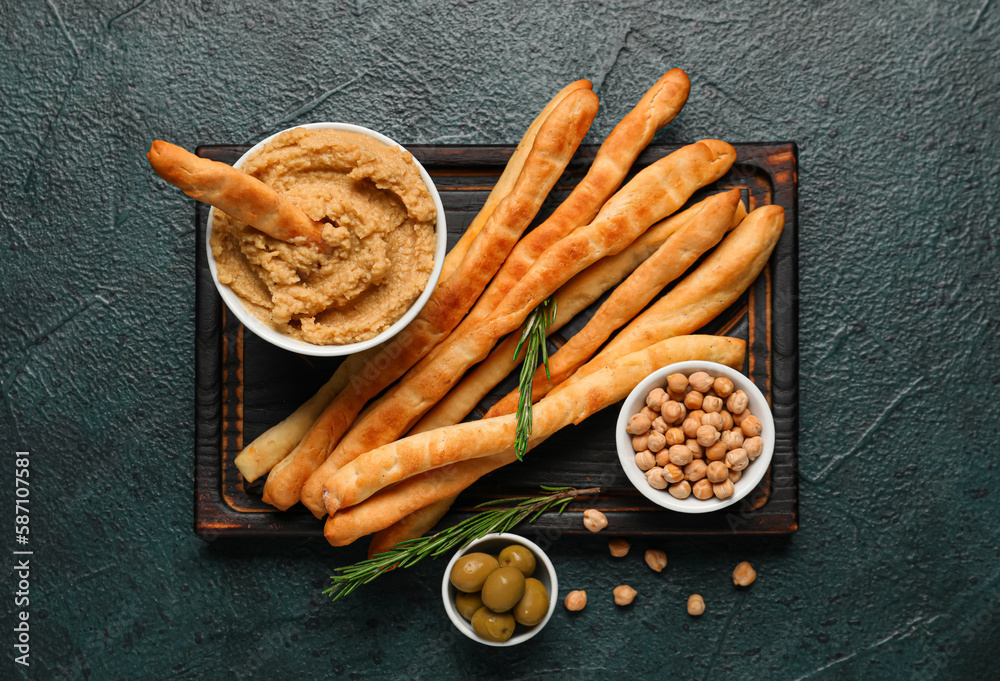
{"type": "Point", "coordinates": [695, 437]}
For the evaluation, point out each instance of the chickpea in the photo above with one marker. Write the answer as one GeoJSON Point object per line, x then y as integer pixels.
{"type": "Point", "coordinates": [697, 451]}
{"type": "Point", "coordinates": [754, 446]}
{"type": "Point", "coordinates": [654, 476]}
{"type": "Point", "coordinates": [655, 441]}
{"type": "Point", "coordinates": [680, 455]}
{"type": "Point", "coordinates": [661, 426]}
{"type": "Point", "coordinates": [723, 387]}
{"type": "Point", "coordinates": [675, 436]}
{"type": "Point", "coordinates": [712, 419]}
{"type": "Point", "coordinates": [639, 424]}
{"type": "Point", "coordinates": [744, 574]}
{"type": "Point", "coordinates": [696, 605]}
{"type": "Point", "coordinates": [673, 412]}
{"type": "Point", "coordinates": [576, 601]}
{"type": "Point", "coordinates": [701, 381]}
{"type": "Point", "coordinates": [618, 548]}
{"type": "Point", "coordinates": [727, 420]}
{"type": "Point", "coordinates": [673, 473]}
{"type": "Point", "coordinates": [624, 594]}
{"type": "Point", "coordinates": [734, 476]}
{"type": "Point", "coordinates": [737, 402]}
{"type": "Point", "coordinates": [751, 426]}
{"type": "Point", "coordinates": [733, 439]}
{"type": "Point", "coordinates": [702, 489]}
{"type": "Point", "coordinates": [681, 490]}
{"type": "Point", "coordinates": [663, 458]}
{"type": "Point", "coordinates": [649, 413]}
{"type": "Point", "coordinates": [655, 398]}
{"type": "Point", "coordinates": [737, 459]}
{"type": "Point", "coordinates": [712, 404]}
{"type": "Point", "coordinates": [645, 460]}
{"type": "Point", "coordinates": [724, 489]}
{"type": "Point", "coordinates": [716, 452]}
{"type": "Point", "coordinates": [717, 472]}
{"type": "Point", "coordinates": [656, 560]}
{"type": "Point", "coordinates": [640, 442]}
{"type": "Point", "coordinates": [594, 520]}
{"type": "Point", "coordinates": [677, 382]}
{"type": "Point", "coordinates": [707, 436]}
{"type": "Point", "coordinates": [697, 414]}
{"type": "Point", "coordinates": [675, 396]}
{"type": "Point", "coordinates": [739, 418]}
{"type": "Point", "coordinates": [691, 426]}
{"type": "Point", "coordinates": [695, 471]}
{"type": "Point", "coordinates": [693, 400]}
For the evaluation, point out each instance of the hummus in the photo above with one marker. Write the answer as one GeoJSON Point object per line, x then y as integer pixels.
{"type": "Point", "coordinates": [380, 221]}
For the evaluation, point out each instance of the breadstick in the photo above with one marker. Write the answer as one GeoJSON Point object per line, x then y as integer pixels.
{"type": "Point", "coordinates": [554, 146]}
{"type": "Point", "coordinates": [397, 461]}
{"type": "Point", "coordinates": [237, 194]}
{"type": "Point", "coordinates": [506, 181]}
{"type": "Point", "coordinates": [656, 191]}
{"type": "Point", "coordinates": [416, 524]}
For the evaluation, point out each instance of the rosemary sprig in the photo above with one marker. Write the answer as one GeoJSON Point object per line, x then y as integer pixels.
{"type": "Point", "coordinates": [492, 519]}
{"type": "Point", "coordinates": [535, 331]}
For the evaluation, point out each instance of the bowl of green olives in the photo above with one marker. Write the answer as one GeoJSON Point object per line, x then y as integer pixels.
{"type": "Point", "coordinates": [500, 590]}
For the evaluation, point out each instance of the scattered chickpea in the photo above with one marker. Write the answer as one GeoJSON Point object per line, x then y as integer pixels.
{"type": "Point", "coordinates": [696, 605]}
{"type": "Point", "coordinates": [639, 424]}
{"type": "Point", "coordinates": [624, 594]}
{"type": "Point", "coordinates": [649, 413]}
{"type": "Point", "coordinates": [691, 426]}
{"type": "Point", "coordinates": [712, 404]}
{"type": "Point", "coordinates": [576, 601]}
{"type": "Point", "coordinates": [594, 520]}
{"type": "Point", "coordinates": [751, 426]}
{"type": "Point", "coordinates": [717, 472]}
{"type": "Point", "coordinates": [682, 490]}
{"type": "Point", "coordinates": [737, 402]}
{"type": "Point", "coordinates": [723, 387]}
{"type": "Point", "coordinates": [701, 381]}
{"type": "Point", "coordinates": [724, 489]}
{"type": "Point", "coordinates": [673, 473]}
{"type": "Point", "coordinates": [618, 548]}
{"type": "Point", "coordinates": [645, 460]}
{"type": "Point", "coordinates": [680, 455]}
{"type": "Point", "coordinates": [716, 452]}
{"type": "Point", "coordinates": [754, 446]}
{"type": "Point", "coordinates": [675, 436]}
{"type": "Point", "coordinates": [702, 489]}
{"type": "Point", "coordinates": [693, 400]}
{"type": "Point", "coordinates": [707, 436]}
{"type": "Point", "coordinates": [733, 439]}
{"type": "Point", "coordinates": [734, 476]}
{"type": "Point", "coordinates": [696, 449]}
{"type": "Point", "coordinates": [654, 476]}
{"type": "Point", "coordinates": [695, 471]}
{"type": "Point", "coordinates": [677, 382]}
{"type": "Point", "coordinates": [655, 398]}
{"type": "Point", "coordinates": [673, 412]}
{"type": "Point", "coordinates": [656, 560]}
{"type": "Point", "coordinates": [661, 426]}
{"type": "Point", "coordinates": [712, 419]}
{"type": "Point", "coordinates": [744, 574]}
{"type": "Point", "coordinates": [737, 459]}
{"type": "Point", "coordinates": [727, 420]}
{"type": "Point", "coordinates": [655, 441]}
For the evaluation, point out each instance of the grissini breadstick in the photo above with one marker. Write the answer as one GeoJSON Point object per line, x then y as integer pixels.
{"type": "Point", "coordinates": [668, 262]}
{"type": "Point", "coordinates": [506, 181]}
{"type": "Point", "coordinates": [237, 194]}
{"type": "Point", "coordinates": [415, 524]}
{"type": "Point", "coordinates": [655, 192]}
{"type": "Point", "coordinates": [572, 298]}
{"type": "Point", "coordinates": [398, 461]}
{"type": "Point", "coordinates": [556, 142]}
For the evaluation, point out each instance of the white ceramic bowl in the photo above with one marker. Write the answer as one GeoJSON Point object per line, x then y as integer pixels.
{"type": "Point", "coordinates": [493, 544]}
{"type": "Point", "coordinates": [250, 321]}
{"type": "Point", "coordinates": [752, 474]}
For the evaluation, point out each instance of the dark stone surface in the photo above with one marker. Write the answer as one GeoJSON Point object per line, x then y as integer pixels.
{"type": "Point", "coordinates": [895, 571]}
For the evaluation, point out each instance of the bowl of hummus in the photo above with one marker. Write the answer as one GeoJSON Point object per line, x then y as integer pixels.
{"type": "Point", "coordinates": [384, 237]}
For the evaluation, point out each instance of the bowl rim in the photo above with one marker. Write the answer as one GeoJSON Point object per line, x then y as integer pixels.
{"type": "Point", "coordinates": [747, 482]}
{"type": "Point", "coordinates": [447, 590]}
{"type": "Point", "coordinates": [251, 322]}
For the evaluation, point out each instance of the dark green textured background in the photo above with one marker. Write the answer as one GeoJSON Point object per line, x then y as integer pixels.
{"type": "Point", "coordinates": [895, 107]}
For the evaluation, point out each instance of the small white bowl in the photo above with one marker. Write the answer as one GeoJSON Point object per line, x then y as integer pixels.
{"type": "Point", "coordinates": [752, 474]}
{"type": "Point", "coordinates": [250, 321]}
{"type": "Point", "coordinates": [494, 544]}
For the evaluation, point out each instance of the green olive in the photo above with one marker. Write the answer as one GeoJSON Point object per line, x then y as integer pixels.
{"type": "Point", "coordinates": [503, 589]}
{"type": "Point", "coordinates": [467, 604]}
{"type": "Point", "coordinates": [493, 626]}
{"type": "Point", "coordinates": [531, 609]}
{"type": "Point", "coordinates": [471, 571]}
{"type": "Point", "coordinates": [519, 557]}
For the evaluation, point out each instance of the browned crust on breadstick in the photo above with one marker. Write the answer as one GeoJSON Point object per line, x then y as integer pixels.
{"type": "Point", "coordinates": [554, 146]}
{"type": "Point", "coordinates": [478, 453]}
{"type": "Point", "coordinates": [237, 194]}
{"type": "Point", "coordinates": [415, 524]}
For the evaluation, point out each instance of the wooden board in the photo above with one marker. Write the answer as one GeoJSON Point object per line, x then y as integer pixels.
{"type": "Point", "coordinates": [245, 385]}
